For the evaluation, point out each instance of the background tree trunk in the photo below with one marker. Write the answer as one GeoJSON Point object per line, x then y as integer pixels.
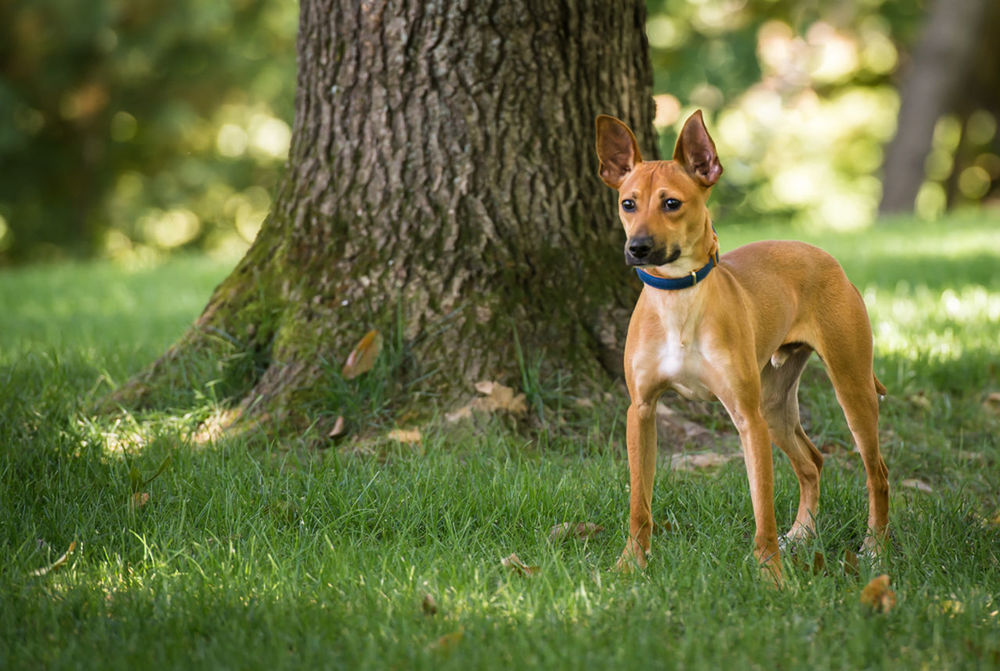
{"type": "Point", "coordinates": [944, 76]}
{"type": "Point", "coordinates": [442, 188]}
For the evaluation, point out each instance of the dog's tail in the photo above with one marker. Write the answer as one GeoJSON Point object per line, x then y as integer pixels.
{"type": "Point", "coordinates": [879, 387]}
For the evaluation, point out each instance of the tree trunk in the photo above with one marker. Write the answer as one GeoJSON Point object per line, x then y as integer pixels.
{"type": "Point", "coordinates": [937, 80]}
{"type": "Point", "coordinates": [442, 188]}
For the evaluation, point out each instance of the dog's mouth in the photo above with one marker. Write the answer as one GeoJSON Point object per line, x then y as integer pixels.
{"type": "Point", "coordinates": [657, 257]}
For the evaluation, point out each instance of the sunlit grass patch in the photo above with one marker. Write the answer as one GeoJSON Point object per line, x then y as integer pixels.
{"type": "Point", "coordinates": [215, 551]}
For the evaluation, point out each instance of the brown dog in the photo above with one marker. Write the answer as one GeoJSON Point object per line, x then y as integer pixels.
{"type": "Point", "coordinates": [738, 328]}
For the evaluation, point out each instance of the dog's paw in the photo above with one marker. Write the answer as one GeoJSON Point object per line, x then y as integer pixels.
{"type": "Point", "coordinates": [874, 549]}
{"type": "Point", "coordinates": [795, 536]}
{"type": "Point", "coordinates": [631, 560]}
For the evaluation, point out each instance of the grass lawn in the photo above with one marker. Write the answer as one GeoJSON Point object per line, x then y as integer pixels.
{"type": "Point", "coordinates": [231, 555]}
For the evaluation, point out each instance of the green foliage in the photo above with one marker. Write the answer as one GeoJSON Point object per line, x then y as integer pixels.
{"type": "Point", "coordinates": [800, 98]}
{"type": "Point", "coordinates": [269, 555]}
{"type": "Point", "coordinates": [130, 127]}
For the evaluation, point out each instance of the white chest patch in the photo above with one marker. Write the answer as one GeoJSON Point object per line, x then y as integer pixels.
{"type": "Point", "coordinates": [670, 354]}
{"type": "Point", "coordinates": [673, 359]}
{"type": "Point", "coordinates": [678, 366]}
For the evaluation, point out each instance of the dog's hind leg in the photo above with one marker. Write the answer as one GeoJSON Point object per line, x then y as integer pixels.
{"type": "Point", "coordinates": [780, 404]}
{"type": "Point", "coordinates": [849, 365]}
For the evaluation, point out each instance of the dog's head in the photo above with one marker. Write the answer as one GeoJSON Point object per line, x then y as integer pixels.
{"type": "Point", "coordinates": [662, 204]}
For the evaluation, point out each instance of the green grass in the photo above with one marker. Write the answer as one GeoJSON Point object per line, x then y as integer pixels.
{"type": "Point", "coordinates": [273, 556]}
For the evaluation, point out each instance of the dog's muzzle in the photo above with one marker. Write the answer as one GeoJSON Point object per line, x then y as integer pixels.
{"type": "Point", "coordinates": [642, 251]}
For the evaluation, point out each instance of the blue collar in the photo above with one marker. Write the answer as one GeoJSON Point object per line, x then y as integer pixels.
{"type": "Point", "coordinates": [675, 283]}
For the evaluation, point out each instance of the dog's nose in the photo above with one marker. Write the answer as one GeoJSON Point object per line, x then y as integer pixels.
{"type": "Point", "coordinates": [639, 247]}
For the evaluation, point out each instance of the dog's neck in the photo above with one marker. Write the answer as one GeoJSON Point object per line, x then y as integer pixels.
{"type": "Point", "coordinates": [688, 270]}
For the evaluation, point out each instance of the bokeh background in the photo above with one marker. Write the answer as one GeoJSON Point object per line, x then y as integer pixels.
{"type": "Point", "coordinates": [134, 129]}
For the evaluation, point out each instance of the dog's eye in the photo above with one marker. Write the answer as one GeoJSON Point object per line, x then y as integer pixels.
{"type": "Point", "coordinates": [671, 204]}
{"type": "Point", "coordinates": [628, 205]}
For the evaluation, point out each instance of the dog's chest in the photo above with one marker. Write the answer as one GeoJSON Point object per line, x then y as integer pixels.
{"type": "Point", "coordinates": [676, 356]}
{"type": "Point", "coordinates": [680, 364]}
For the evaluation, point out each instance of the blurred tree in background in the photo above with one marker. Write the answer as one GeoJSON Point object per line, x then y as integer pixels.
{"type": "Point", "coordinates": [953, 78]}
{"type": "Point", "coordinates": [140, 125]}
{"type": "Point", "coordinates": [803, 97]}
{"type": "Point", "coordinates": [132, 128]}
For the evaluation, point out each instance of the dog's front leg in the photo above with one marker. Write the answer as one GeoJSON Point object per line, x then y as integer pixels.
{"type": "Point", "coordinates": [756, 442]}
{"type": "Point", "coordinates": [641, 439]}
{"type": "Point", "coordinates": [741, 396]}
{"type": "Point", "coordinates": [760, 472]}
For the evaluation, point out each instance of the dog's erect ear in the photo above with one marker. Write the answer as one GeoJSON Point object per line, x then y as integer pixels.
{"type": "Point", "coordinates": [696, 151]}
{"type": "Point", "coordinates": [617, 150]}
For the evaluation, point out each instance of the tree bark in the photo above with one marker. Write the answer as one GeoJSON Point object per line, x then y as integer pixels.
{"type": "Point", "coordinates": [937, 80]}
{"type": "Point", "coordinates": [442, 188]}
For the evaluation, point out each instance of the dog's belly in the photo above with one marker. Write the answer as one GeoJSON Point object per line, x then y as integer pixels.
{"type": "Point", "coordinates": [679, 366]}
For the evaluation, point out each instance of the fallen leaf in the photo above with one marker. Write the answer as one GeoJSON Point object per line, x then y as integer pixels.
{"type": "Point", "coordinates": [992, 402]}
{"type": "Point", "coordinates": [447, 643]}
{"type": "Point", "coordinates": [339, 425]}
{"type": "Point", "coordinates": [495, 397]}
{"type": "Point", "coordinates": [581, 531]}
{"type": "Point", "coordinates": [501, 397]}
{"type": "Point", "coordinates": [462, 413]}
{"type": "Point", "coordinates": [877, 594]}
{"type": "Point", "coordinates": [57, 563]}
{"type": "Point", "coordinates": [428, 605]}
{"type": "Point", "coordinates": [139, 499]}
{"type": "Point", "coordinates": [700, 460]}
{"type": "Point", "coordinates": [411, 436]}
{"type": "Point", "coordinates": [850, 562]}
{"type": "Point", "coordinates": [514, 563]}
{"type": "Point", "coordinates": [362, 357]}
{"type": "Point", "coordinates": [920, 485]}
{"type": "Point", "coordinates": [485, 387]}
{"type": "Point", "coordinates": [584, 403]}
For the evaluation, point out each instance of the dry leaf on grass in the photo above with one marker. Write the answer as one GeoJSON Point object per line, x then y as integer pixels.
{"type": "Point", "coordinates": [429, 605]}
{"type": "Point", "coordinates": [495, 397]}
{"type": "Point", "coordinates": [877, 594]}
{"type": "Point", "coordinates": [514, 563]}
{"type": "Point", "coordinates": [992, 402]}
{"type": "Point", "coordinates": [139, 499]}
{"type": "Point", "coordinates": [462, 413]}
{"type": "Point", "coordinates": [362, 357]}
{"type": "Point", "coordinates": [581, 531]}
{"type": "Point", "coordinates": [700, 460]}
{"type": "Point", "coordinates": [57, 563]}
{"type": "Point", "coordinates": [919, 485]}
{"type": "Point", "coordinates": [339, 426]}
{"type": "Point", "coordinates": [411, 436]}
